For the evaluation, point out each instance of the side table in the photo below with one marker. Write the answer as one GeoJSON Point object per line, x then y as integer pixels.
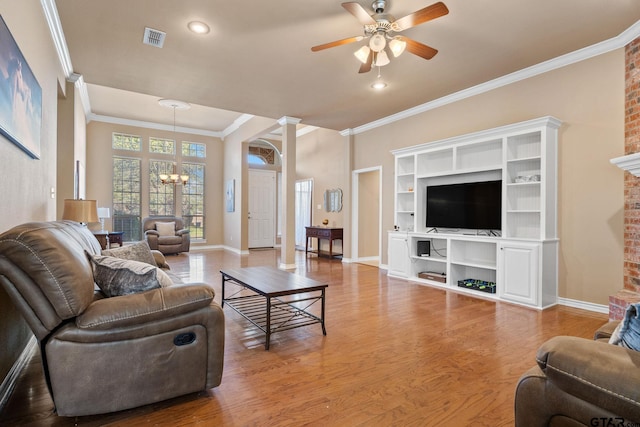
{"type": "Point", "coordinates": [108, 238]}
{"type": "Point", "coordinates": [320, 233]}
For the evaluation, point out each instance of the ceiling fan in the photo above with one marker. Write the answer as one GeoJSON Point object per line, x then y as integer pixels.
{"type": "Point", "coordinates": [380, 27]}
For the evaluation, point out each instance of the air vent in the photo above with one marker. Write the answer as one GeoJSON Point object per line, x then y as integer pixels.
{"type": "Point", "coordinates": [153, 37]}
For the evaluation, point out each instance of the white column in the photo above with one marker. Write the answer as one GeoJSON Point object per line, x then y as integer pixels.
{"type": "Point", "coordinates": [288, 242]}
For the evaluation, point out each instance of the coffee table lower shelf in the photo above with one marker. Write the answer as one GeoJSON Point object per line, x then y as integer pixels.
{"type": "Point", "coordinates": [275, 316]}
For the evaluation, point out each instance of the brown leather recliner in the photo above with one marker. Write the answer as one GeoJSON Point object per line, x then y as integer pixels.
{"type": "Point", "coordinates": [168, 243]}
{"type": "Point", "coordinates": [107, 354]}
{"type": "Point", "coordinates": [579, 382]}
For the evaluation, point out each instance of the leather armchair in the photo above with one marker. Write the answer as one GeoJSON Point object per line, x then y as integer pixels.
{"type": "Point", "coordinates": [107, 354]}
{"type": "Point", "coordinates": [579, 382]}
{"type": "Point", "coordinates": [174, 243]}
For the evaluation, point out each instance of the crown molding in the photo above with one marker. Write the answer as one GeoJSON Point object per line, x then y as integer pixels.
{"type": "Point", "coordinates": [237, 123]}
{"type": "Point", "coordinates": [152, 125]}
{"type": "Point", "coordinates": [53, 20]}
{"type": "Point", "coordinates": [597, 49]}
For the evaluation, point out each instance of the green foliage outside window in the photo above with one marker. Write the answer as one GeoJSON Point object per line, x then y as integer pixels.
{"type": "Point", "coordinates": [162, 146]}
{"type": "Point", "coordinates": [161, 196]}
{"type": "Point", "coordinates": [193, 199]}
{"type": "Point", "coordinates": [194, 149]}
{"type": "Point", "coordinates": [121, 141]}
{"type": "Point", "coordinates": [127, 197]}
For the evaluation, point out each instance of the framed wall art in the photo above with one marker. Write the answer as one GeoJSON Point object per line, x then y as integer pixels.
{"type": "Point", "coordinates": [20, 97]}
{"type": "Point", "coordinates": [230, 195]}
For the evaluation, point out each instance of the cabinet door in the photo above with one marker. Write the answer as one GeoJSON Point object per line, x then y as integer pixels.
{"type": "Point", "coordinates": [519, 271]}
{"type": "Point", "coordinates": [398, 255]}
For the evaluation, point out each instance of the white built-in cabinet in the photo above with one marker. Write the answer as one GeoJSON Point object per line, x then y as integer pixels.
{"type": "Point", "coordinates": [521, 260]}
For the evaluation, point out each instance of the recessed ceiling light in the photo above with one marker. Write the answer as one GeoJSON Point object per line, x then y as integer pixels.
{"type": "Point", "coordinates": [198, 27]}
{"type": "Point", "coordinates": [379, 85]}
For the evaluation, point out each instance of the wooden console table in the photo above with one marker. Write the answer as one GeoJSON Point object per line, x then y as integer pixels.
{"type": "Point", "coordinates": [320, 233]}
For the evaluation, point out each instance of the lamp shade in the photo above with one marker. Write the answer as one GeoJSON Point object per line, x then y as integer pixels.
{"type": "Point", "coordinates": [382, 59]}
{"type": "Point", "coordinates": [397, 46]}
{"type": "Point", "coordinates": [104, 213]}
{"type": "Point", "coordinates": [79, 210]}
{"type": "Point", "coordinates": [362, 54]}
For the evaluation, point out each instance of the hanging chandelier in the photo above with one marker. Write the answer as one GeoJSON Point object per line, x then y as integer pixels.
{"type": "Point", "coordinates": [174, 178]}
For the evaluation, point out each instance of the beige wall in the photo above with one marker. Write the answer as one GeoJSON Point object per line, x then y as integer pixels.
{"type": "Point", "coordinates": [589, 98]}
{"type": "Point", "coordinates": [26, 183]}
{"type": "Point", "coordinates": [319, 157]}
{"type": "Point", "coordinates": [368, 214]}
{"type": "Point", "coordinates": [100, 167]}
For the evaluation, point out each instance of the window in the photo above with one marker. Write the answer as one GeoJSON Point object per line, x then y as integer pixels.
{"type": "Point", "coordinates": [304, 191]}
{"type": "Point", "coordinates": [193, 199]}
{"type": "Point", "coordinates": [127, 197]}
{"type": "Point", "coordinates": [194, 149]}
{"type": "Point", "coordinates": [254, 159]}
{"type": "Point", "coordinates": [121, 141]}
{"type": "Point", "coordinates": [162, 146]}
{"type": "Point", "coordinates": [161, 196]}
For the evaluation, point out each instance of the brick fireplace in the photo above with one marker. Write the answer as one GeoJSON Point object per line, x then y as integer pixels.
{"type": "Point", "coordinates": [631, 290]}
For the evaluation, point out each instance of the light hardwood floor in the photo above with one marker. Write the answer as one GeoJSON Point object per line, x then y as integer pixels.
{"type": "Point", "coordinates": [396, 354]}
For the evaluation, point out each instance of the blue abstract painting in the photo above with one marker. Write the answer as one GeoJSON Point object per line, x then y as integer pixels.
{"type": "Point", "coordinates": [20, 97]}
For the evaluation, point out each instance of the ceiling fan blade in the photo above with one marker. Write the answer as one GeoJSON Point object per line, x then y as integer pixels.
{"type": "Point", "coordinates": [336, 43]}
{"type": "Point", "coordinates": [420, 49]}
{"type": "Point", "coordinates": [434, 11]}
{"type": "Point", "coordinates": [359, 12]}
{"type": "Point", "coordinates": [366, 67]}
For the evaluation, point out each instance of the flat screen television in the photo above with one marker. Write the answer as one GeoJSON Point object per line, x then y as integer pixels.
{"type": "Point", "coordinates": [472, 205]}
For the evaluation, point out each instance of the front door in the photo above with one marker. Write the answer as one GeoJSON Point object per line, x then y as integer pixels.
{"type": "Point", "coordinates": [262, 202]}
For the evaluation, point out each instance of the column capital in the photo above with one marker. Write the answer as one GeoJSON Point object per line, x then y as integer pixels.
{"type": "Point", "coordinates": [286, 120]}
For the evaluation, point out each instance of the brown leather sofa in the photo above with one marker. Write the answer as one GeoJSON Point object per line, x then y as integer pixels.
{"type": "Point", "coordinates": [579, 382]}
{"type": "Point", "coordinates": [107, 354]}
{"type": "Point", "coordinates": [176, 242]}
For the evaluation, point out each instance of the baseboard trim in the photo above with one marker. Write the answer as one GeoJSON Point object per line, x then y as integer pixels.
{"type": "Point", "coordinates": [589, 306]}
{"type": "Point", "coordinates": [9, 382]}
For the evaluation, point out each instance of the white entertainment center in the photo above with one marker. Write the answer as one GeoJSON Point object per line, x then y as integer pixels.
{"type": "Point", "coordinates": [518, 263]}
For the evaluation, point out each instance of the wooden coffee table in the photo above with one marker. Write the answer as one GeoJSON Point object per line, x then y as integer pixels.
{"type": "Point", "coordinates": [273, 300]}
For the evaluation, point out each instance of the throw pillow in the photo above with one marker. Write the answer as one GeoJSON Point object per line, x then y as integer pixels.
{"type": "Point", "coordinates": [627, 333]}
{"type": "Point", "coordinates": [166, 228]}
{"type": "Point", "coordinates": [116, 276]}
{"type": "Point", "coordinates": [138, 251]}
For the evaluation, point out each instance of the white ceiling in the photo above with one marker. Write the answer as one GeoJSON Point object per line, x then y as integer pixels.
{"type": "Point", "coordinates": [257, 58]}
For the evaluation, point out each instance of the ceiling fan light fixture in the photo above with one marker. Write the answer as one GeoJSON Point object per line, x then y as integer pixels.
{"type": "Point", "coordinates": [362, 54]}
{"type": "Point", "coordinates": [377, 42]}
{"type": "Point", "coordinates": [397, 46]}
{"type": "Point", "coordinates": [382, 59]}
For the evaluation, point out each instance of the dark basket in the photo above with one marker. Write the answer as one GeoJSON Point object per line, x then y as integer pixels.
{"type": "Point", "coordinates": [478, 285]}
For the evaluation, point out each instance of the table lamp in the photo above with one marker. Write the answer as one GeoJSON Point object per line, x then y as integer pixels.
{"type": "Point", "coordinates": [82, 211]}
{"type": "Point", "coordinates": [103, 213]}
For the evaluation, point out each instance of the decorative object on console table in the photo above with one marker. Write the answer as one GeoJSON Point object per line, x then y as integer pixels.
{"type": "Point", "coordinates": [320, 233]}
{"type": "Point", "coordinates": [82, 211]}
